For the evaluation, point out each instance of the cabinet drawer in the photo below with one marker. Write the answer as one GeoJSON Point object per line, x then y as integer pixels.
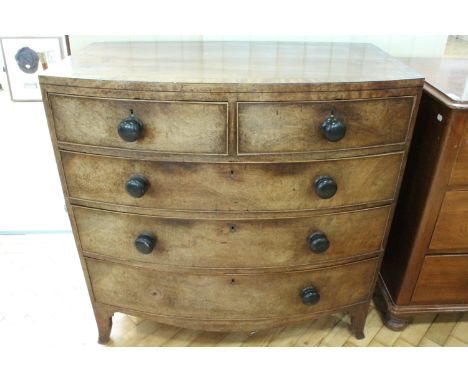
{"type": "Point", "coordinates": [229, 296]}
{"type": "Point", "coordinates": [231, 244]}
{"type": "Point", "coordinates": [443, 280]}
{"type": "Point", "coordinates": [170, 126]}
{"type": "Point", "coordinates": [451, 231]}
{"type": "Point", "coordinates": [459, 175]}
{"type": "Point", "coordinates": [232, 186]}
{"type": "Point", "coordinates": [280, 127]}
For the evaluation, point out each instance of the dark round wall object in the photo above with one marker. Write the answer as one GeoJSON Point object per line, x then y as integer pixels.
{"type": "Point", "coordinates": [27, 60]}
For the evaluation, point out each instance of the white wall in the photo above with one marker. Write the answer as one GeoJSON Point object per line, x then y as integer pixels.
{"type": "Point", "coordinates": [399, 46]}
{"type": "Point", "coordinates": [31, 198]}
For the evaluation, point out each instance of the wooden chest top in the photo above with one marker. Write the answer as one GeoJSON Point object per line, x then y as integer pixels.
{"type": "Point", "coordinates": [247, 66]}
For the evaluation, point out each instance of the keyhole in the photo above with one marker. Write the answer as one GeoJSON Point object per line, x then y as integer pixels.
{"type": "Point", "coordinates": [233, 281]}
{"type": "Point", "coordinates": [232, 173]}
{"type": "Point", "coordinates": [131, 111]}
{"type": "Point", "coordinates": [232, 228]}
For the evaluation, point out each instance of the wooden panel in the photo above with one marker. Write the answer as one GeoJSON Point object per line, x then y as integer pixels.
{"type": "Point", "coordinates": [460, 170]}
{"type": "Point", "coordinates": [232, 186]}
{"type": "Point", "coordinates": [231, 244]}
{"type": "Point", "coordinates": [451, 231]}
{"type": "Point", "coordinates": [175, 127]}
{"type": "Point", "coordinates": [443, 280]}
{"type": "Point", "coordinates": [270, 127]}
{"type": "Point", "coordinates": [228, 296]}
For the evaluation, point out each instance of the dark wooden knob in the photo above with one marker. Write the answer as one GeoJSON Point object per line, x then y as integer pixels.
{"type": "Point", "coordinates": [145, 243]}
{"type": "Point", "coordinates": [136, 186]}
{"type": "Point", "coordinates": [333, 129]}
{"type": "Point", "coordinates": [325, 186]}
{"type": "Point", "coordinates": [318, 242]}
{"type": "Point", "coordinates": [130, 129]}
{"type": "Point", "coordinates": [310, 295]}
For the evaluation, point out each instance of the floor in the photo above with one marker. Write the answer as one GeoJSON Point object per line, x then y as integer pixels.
{"type": "Point", "coordinates": [43, 298]}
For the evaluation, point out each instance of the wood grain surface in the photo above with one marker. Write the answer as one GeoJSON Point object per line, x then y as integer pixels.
{"type": "Point", "coordinates": [443, 279]}
{"type": "Point", "coordinates": [173, 127]}
{"type": "Point", "coordinates": [460, 168]}
{"type": "Point", "coordinates": [451, 231]}
{"type": "Point", "coordinates": [228, 296]}
{"type": "Point", "coordinates": [238, 244]}
{"type": "Point", "coordinates": [243, 66]}
{"type": "Point", "coordinates": [232, 186]}
{"type": "Point", "coordinates": [269, 127]}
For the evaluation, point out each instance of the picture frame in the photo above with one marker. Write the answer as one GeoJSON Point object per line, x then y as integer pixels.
{"type": "Point", "coordinates": [27, 57]}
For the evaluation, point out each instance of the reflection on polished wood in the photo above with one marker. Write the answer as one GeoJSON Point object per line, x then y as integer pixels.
{"type": "Point", "coordinates": [448, 75]}
{"type": "Point", "coordinates": [246, 64]}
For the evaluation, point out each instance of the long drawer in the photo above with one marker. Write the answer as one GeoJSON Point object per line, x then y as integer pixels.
{"type": "Point", "coordinates": [443, 280]}
{"type": "Point", "coordinates": [230, 296]}
{"type": "Point", "coordinates": [231, 244]}
{"type": "Point", "coordinates": [233, 186]}
{"type": "Point", "coordinates": [281, 127]}
{"type": "Point", "coordinates": [171, 126]}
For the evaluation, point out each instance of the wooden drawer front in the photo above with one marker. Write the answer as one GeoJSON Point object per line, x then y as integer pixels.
{"type": "Point", "coordinates": [228, 296]}
{"type": "Point", "coordinates": [280, 127]}
{"type": "Point", "coordinates": [231, 244]}
{"type": "Point", "coordinates": [173, 127]}
{"type": "Point", "coordinates": [460, 170]}
{"type": "Point", "coordinates": [451, 231]}
{"type": "Point", "coordinates": [231, 187]}
{"type": "Point", "coordinates": [443, 280]}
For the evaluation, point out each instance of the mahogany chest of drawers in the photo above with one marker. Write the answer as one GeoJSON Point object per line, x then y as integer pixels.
{"type": "Point", "coordinates": [231, 186]}
{"type": "Point", "coordinates": [425, 267]}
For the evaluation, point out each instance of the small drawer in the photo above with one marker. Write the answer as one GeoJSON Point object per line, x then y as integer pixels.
{"type": "Point", "coordinates": [282, 127]}
{"type": "Point", "coordinates": [231, 296]}
{"type": "Point", "coordinates": [451, 231]}
{"type": "Point", "coordinates": [443, 280]}
{"type": "Point", "coordinates": [232, 186]}
{"type": "Point", "coordinates": [235, 244]}
{"type": "Point", "coordinates": [159, 126]}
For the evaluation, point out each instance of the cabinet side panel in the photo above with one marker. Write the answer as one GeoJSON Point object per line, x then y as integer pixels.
{"type": "Point", "coordinates": [420, 198]}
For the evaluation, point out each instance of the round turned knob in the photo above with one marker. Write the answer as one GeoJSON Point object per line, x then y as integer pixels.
{"type": "Point", "coordinates": [130, 129]}
{"type": "Point", "coordinates": [145, 243]}
{"type": "Point", "coordinates": [333, 129]}
{"type": "Point", "coordinates": [310, 295]}
{"type": "Point", "coordinates": [325, 186]}
{"type": "Point", "coordinates": [136, 186]}
{"type": "Point", "coordinates": [318, 242]}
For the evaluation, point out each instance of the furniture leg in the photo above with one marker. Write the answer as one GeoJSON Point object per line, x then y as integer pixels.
{"type": "Point", "coordinates": [104, 324]}
{"type": "Point", "coordinates": [358, 320]}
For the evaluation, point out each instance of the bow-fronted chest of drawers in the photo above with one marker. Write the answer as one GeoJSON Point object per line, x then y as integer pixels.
{"type": "Point", "coordinates": [230, 186]}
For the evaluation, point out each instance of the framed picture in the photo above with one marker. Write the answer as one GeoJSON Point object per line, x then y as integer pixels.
{"type": "Point", "coordinates": [27, 57]}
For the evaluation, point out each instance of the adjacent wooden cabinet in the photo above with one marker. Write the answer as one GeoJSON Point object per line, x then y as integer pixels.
{"type": "Point", "coordinates": [425, 267]}
{"type": "Point", "coordinates": [231, 186]}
